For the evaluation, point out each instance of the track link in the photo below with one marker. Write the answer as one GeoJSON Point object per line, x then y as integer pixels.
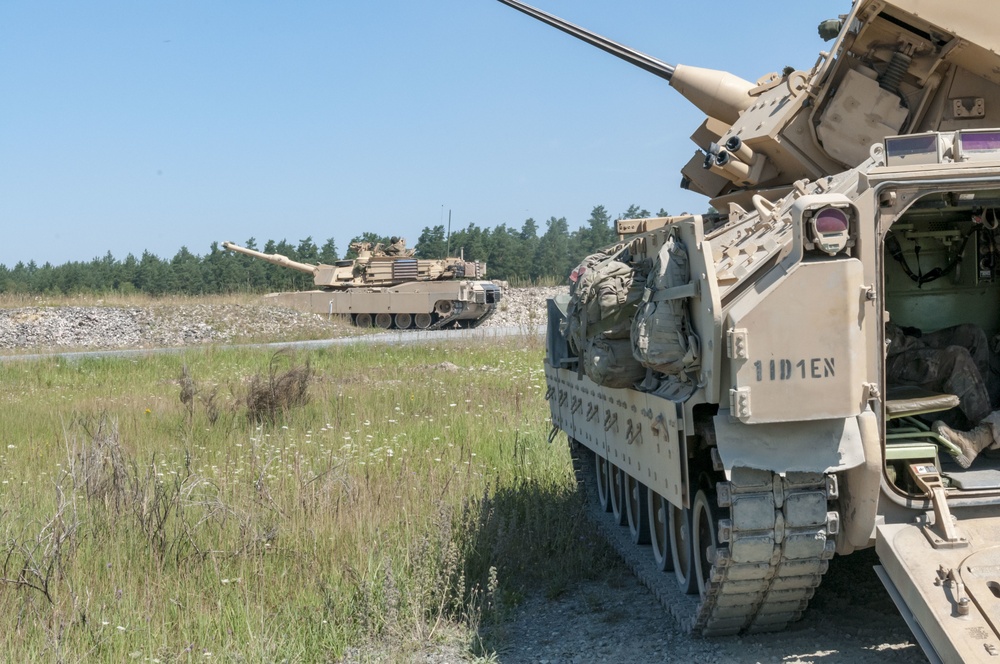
{"type": "Point", "coordinates": [773, 551]}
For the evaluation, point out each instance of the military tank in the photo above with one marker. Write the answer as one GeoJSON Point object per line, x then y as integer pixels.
{"type": "Point", "coordinates": [727, 382]}
{"type": "Point", "coordinates": [387, 287]}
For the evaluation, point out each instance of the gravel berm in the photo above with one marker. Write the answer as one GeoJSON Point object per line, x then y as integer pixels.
{"type": "Point", "coordinates": [850, 620]}
{"type": "Point", "coordinates": [172, 325]}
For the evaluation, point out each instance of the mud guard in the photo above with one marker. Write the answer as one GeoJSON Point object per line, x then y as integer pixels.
{"type": "Point", "coordinates": [947, 591]}
{"type": "Point", "coordinates": [819, 446]}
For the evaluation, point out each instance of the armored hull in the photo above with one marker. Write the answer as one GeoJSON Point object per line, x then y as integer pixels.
{"type": "Point", "coordinates": [421, 305]}
{"type": "Point", "coordinates": [814, 369]}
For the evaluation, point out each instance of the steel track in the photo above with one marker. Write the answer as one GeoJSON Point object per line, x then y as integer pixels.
{"type": "Point", "coordinates": [773, 551]}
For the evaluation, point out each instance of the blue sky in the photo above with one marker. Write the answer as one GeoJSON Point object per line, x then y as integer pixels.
{"type": "Point", "coordinates": [129, 126]}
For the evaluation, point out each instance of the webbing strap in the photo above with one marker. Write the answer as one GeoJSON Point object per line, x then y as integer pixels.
{"type": "Point", "coordinates": [675, 293]}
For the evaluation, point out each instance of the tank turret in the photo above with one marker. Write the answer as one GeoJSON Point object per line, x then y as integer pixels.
{"type": "Point", "coordinates": [375, 266]}
{"type": "Point", "coordinates": [896, 67]}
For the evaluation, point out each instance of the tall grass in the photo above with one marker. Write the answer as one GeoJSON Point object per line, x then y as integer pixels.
{"type": "Point", "coordinates": [409, 499]}
{"type": "Point", "coordinates": [517, 282]}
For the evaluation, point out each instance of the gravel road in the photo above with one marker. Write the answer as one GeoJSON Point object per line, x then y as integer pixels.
{"type": "Point", "coordinates": [851, 618]}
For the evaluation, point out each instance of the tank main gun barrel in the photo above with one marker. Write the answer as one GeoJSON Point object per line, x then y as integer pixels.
{"type": "Point", "coordinates": [277, 259]}
{"type": "Point", "coordinates": [718, 94]}
{"type": "Point", "coordinates": [641, 60]}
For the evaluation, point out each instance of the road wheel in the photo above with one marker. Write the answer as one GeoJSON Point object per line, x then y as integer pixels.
{"type": "Point", "coordinates": [681, 551]}
{"type": "Point", "coordinates": [705, 537]}
{"type": "Point", "coordinates": [363, 320]}
{"type": "Point", "coordinates": [617, 476]}
{"type": "Point", "coordinates": [603, 482]}
{"type": "Point", "coordinates": [636, 510]}
{"type": "Point", "coordinates": [659, 530]}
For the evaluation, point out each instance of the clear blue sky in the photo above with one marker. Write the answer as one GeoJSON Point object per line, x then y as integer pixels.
{"type": "Point", "coordinates": [129, 126]}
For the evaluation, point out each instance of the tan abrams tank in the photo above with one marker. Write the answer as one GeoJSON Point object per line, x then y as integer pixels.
{"type": "Point", "coordinates": [389, 288]}
{"type": "Point", "coordinates": [750, 393]}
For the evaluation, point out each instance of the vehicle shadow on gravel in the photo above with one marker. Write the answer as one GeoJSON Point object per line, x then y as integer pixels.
{"type": "Point", "coordinates": [616, 619]}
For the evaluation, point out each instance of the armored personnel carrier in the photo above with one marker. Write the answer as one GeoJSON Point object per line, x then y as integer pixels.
{"type": "Point", "coordinates": [732, 383]}
{"type": "Point", "coordinates": [387, 287]}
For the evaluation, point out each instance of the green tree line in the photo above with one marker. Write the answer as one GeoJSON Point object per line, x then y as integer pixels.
{"type": "Point", "coordinates": [529, 254]}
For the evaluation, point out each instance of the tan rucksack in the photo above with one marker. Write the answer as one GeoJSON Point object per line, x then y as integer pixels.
{"type": "Point", "coordinates": [604, 292]}
{"type": "Point", "coordinates": [662, 338]}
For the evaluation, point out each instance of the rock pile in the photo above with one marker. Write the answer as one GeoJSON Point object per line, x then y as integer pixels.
{"type": "Point", "coordinates": [150, 327]}
{"type": "Point", "coordinates": [162, 325]}
{"type": "Point", "coordinates": [523, 306]}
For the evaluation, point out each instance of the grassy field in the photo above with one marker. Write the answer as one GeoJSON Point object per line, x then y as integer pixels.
{"type": "Point", "coordinates": [346, 504]}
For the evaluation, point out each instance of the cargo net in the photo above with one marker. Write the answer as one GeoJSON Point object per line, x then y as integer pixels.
{"type": "Point", "coordinates": [628, 321]}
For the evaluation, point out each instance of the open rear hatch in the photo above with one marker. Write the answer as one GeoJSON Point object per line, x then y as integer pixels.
{"type": "Point", "coordinates": [943, 570]}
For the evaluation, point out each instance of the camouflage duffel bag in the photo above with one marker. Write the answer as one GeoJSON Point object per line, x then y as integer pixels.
{"type": "Point", "coordinates": [609, 362]}
{"type": "Point", "coordinates": [662, 338]}
{"type": "Point", "coordinates": [604, 293]}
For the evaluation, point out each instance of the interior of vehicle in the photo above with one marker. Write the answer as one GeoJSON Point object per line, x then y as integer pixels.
{"type": "Point", "coordinates": [941, 266]}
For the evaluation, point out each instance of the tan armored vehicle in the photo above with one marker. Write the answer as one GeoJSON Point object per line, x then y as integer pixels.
{"type": "Point", "coordinates": [389, 288]}
{"type": "Point", "coordinates": [758, 390]}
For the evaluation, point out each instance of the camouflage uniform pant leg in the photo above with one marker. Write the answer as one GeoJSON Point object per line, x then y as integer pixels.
{"type": "Point", "coordinates": [993, 420]}
{"type": "Point", "coordinates": [973, 338]}
{"type": "Point", "coordinates": [951, 370]}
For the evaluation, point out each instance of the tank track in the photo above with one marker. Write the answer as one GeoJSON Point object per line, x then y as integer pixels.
{"type": "Point", "coordinates": [457, 308]}
{"type": "Point", "coordinates": [772, 553]}
{"type": "Point", "coordinates": [476, 322]}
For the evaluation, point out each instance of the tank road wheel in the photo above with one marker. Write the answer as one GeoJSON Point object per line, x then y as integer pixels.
{"type": "Point", "coordinates": [403, 321]}
{"type": "Point", "coordinates": [659, 530]}
{"type": "Point", "coordinates": [383, 320]}
{"type": "Point", "coordinates": [681, 552]}
{"type": "Point", "coordinates": [704, 536]}
{"type": "Point", "coordinates": [423, 321]}
{"type": "Point", "coordinates": [603, 488]}
{"type": "Point", "coordinates": [363, 320]}
{"type": "Point", "coordinates": [636, 510]}
{"type": "Point", "coordinates": [618, 476]}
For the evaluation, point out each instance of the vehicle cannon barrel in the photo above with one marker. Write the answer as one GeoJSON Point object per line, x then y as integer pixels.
{"type": "Point", "coordinates": [718, 94]}
{"type": "Point", "coordinates": [277, 259]}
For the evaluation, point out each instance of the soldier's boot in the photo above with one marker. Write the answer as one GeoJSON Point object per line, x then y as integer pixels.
{"type": "Point", "coordinates": [970, 442]}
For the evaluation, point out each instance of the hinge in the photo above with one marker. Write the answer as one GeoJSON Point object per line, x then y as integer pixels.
{"type": "Point", "coordinates": [943, 534]}
{"type": "Point", "coordinates": [738, 349]}
{"type": "Point", "coordinates": [739, 402]}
